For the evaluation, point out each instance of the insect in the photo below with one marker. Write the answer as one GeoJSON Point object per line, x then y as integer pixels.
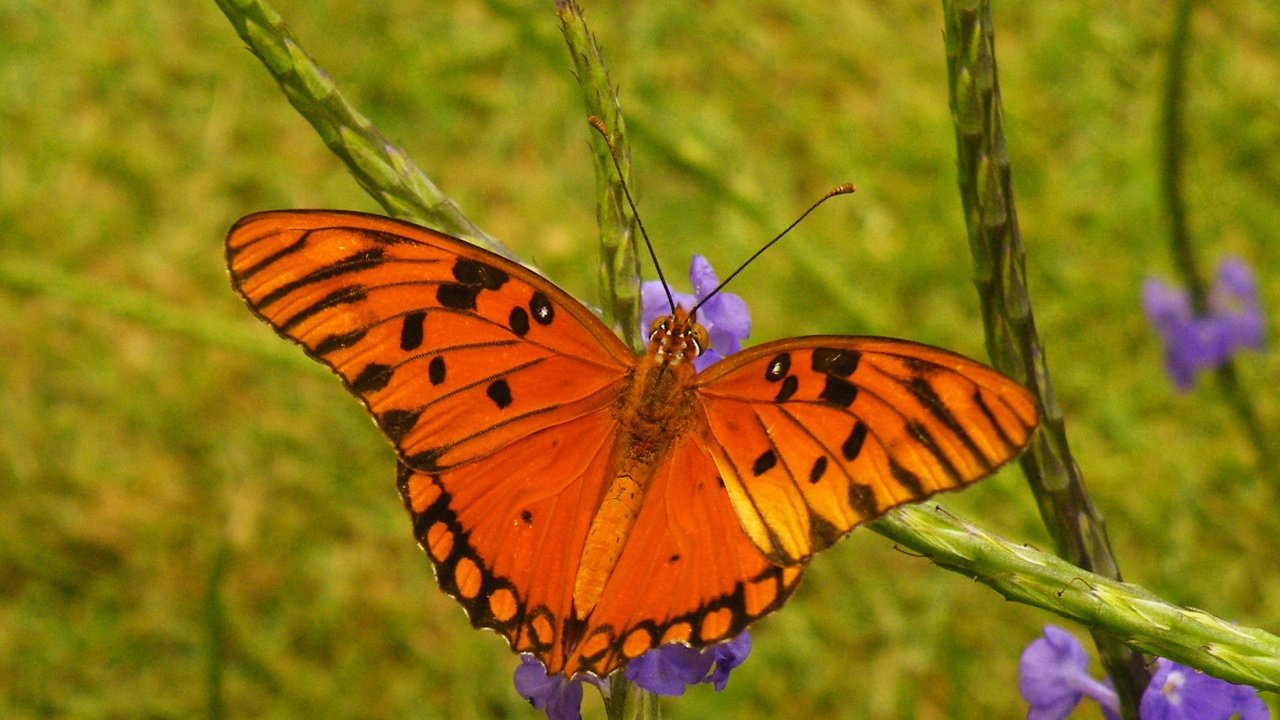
{"type": "Point", "coordinates": [589, 504]}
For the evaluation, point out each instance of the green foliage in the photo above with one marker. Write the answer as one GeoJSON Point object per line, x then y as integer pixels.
{"type": "Point", "coordinates": [181, 506]}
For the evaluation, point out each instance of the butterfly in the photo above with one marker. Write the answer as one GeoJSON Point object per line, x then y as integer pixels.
{"type": "Point", "coordinates": [589, 504]}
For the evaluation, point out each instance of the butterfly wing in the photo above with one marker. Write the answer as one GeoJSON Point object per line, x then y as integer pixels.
{"type": "Point", "coordinates": [506, 535]}
{"type": "Point", "coordinates": [456, 351]}
{"type": "Point", "coordinates": [688, 572]}
{"type": "Point", "coordinates": [815, 435]}
{"type": "Point", "coordinates": [495, 387]}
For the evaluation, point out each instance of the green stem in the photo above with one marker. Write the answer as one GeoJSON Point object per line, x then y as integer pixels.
{"type": "Point", "coordinates": [986, 190]}
{"type": "Point", "coordinates": [619, 270]}
{"type": "Point", "coordinates": [381, 168]}
{"type": "Point", "coordinates": [628, 702]}
{"type": "Point", "coordinates": [1184, 255]}
{"type": "Point", "coordinates": [1127, 612]}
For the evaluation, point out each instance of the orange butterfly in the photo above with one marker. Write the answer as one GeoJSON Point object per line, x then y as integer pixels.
{"type": "Point", "coordinates": [588, 504]}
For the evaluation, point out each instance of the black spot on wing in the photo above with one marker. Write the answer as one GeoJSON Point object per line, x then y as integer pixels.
{"type": "Point", "coordinates": [832, 361]}
{"type": "Point", "coordinates": [819, 469]}
{"type": "Point", "coordinates": [397, 423]}
{"type": "Point", "coordinates": [500, 393]}
{"type": "Point", "coordinates": [764, 463]}
{"type": "Point", "coordinates": [852, 446]}
{"type": "Point", "coordinates": [541, 308]}
{"type": "Point", "coordinates": [838, 391]}
{"type": "Point", "coordinates": [862, 498]}
{"type": "Point", "coordinates": [477, 274]}
{"type": "Point", "coordinates": [436, 370]}
{"type": "Point", "coordinates": [456, 296]}
{"type": "Point", "coordinates": [789, 387]}
{"type": "Point", "coordinates": [778, 367]}
{"type": "Point", "coordinates": [411, 330]}
{"type": "Point", "coordinates": [518, 321]}
{"type": "Point", "coordinates": [372, 378]}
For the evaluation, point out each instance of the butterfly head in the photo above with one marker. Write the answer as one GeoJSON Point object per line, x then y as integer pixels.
{"type": "Point", "coordinates": [677, 338]}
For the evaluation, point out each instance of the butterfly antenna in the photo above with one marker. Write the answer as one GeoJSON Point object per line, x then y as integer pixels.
{"type": "Point", "coordinates": [598, 124]}
{"type": "Point", "coordinates": [844, 189]}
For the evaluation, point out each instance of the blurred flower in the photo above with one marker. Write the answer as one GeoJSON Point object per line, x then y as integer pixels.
{"type": "Point", "coordinates": [724, 316]}
{"type": "Point", "coordinates": [1193, 342]}
{"type": "Point", "coordinates": [1052, 678]}
{"type": "Point", "coordinates": [1234, 298]}
{"type": "Point", "coordinates": [668, 669]}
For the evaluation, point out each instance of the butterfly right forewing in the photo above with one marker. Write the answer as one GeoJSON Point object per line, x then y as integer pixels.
{"type": "Point", "coordinates": [816, 435]}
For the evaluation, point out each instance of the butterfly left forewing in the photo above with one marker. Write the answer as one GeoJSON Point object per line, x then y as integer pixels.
{"type": "Point", "coordinates": [453, 349]}
{"type": "Point", "coordinates": [816, 435]}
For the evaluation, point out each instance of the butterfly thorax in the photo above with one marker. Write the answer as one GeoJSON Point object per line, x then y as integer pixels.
{"type": "Point", "coordinates": [652, 415]}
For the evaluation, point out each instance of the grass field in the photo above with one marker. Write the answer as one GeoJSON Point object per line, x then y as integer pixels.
{"type": "Point", "coordinates": [196, 521]}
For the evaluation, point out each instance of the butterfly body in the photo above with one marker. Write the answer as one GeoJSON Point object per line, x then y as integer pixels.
{"type": "Point", "coordinates": [588, 504]}
{"type": "Point", "coordinates": [651, 414]}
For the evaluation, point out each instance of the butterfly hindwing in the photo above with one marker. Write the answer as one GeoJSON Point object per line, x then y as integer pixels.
{"type": "Point", "coordinates": [815, 435]}
{"type": "Point", "coordinates": [688, 573]}
{"type": "Point", "coordinates": [506, 534]}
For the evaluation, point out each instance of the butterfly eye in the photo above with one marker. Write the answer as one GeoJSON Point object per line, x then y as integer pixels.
{"type": "Point", "coordinates": [698, 336]}
{"type": "Point", "coordinates": [658, 328]}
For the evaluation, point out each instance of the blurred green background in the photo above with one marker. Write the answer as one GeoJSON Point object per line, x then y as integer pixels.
{"type": "Point", "coordinates": [195, 521]}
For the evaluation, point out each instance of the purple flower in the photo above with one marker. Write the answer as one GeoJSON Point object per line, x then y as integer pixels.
{"type": "Point", "coordinates": [558, 697]}
{"type": "Point", "coordinates": [1178, 692]}
{"type": "Point", "coordinates": [668, 669]}
{"type": "Point", "coordinates": [1194, 342]}
{"type": "Point", "coordinates": [1235, 299]}
{"type": "Point", "coordinates": [729, 655]}
{"type": "Point", "coordinates": [1053, 678]}
{"type": "Point", "coordinates": [724, 316]}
